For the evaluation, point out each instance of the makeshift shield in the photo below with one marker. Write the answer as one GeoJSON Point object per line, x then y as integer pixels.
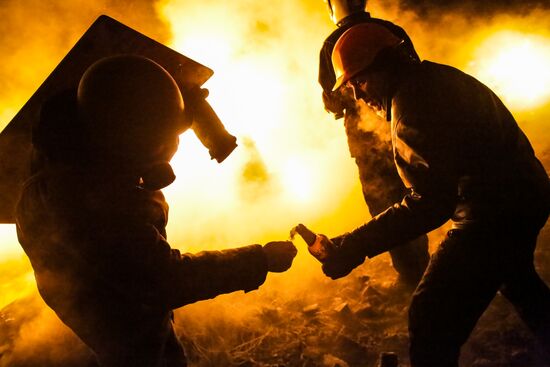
{"type": "Point", "coordinates": [105, 37]}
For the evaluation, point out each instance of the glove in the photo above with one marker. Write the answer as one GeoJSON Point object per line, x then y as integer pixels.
{"type": "Point", "coordinates": [279, 255]}
{"type": "Point", "coordinates": [343, 258]}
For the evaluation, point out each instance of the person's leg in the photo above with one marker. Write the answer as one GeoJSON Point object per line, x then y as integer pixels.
{"type": "Point", "coordinates": [410, 260]}
{"type": "Point", "coordinates": [530, 297]}
{"type": "Point", "coordinates": [527, 292]}
{"type": "Point", "coordinates": [151, 343]}
{"type": "Point", "coordinates": [458, 285]}
{"type": "Point", "coordinates": [174, 353]}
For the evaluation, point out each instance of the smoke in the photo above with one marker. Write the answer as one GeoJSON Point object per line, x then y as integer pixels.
{"type": "Point", "coordinates": [498, 42]}
{"type": "Point", "coordinates": [292, 164]}
{"type": "Point", "coordinates": [264, 91]}
{"type": "Point", "coordinates": [36, 36]}
{"type": "Point", "coordinates": [255, 180]}
{"type": "Point", "coordinates": [32, 335]}
{"type": "Point", "coordinates": [480, 8]}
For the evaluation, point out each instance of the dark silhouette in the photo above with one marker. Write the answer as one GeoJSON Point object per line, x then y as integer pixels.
{"type": "Point", "coordinates": [380, 182]}
{"type": "Point", "coordinates": [465, 158]}
{"type": "Point", "coordinates": [92, 218]}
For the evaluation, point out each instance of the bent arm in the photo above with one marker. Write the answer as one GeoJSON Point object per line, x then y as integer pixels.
{"type": "Point", "coordinates": [414, 216]}
{"type": "Point", "coordinates": [209, 273]}
{"type": "Point", "coordinates": [143, 264]}
{"type": "Point", "coordinates": [426, 162]}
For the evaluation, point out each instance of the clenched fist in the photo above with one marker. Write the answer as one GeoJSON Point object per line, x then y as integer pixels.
{"type": "Point", "coordinates": [279, 255]}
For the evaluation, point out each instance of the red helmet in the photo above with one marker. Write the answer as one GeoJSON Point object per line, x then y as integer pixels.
{"type": "Point", "coordinates": [357, 48]}
{"type": "Point", "coordinates": [129, 105]}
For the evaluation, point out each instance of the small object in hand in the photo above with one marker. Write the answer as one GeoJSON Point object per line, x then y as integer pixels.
{"type": "Point", "coordinates": [279, 255]}
{"type": "Point", "coordinates": [307, 234]}
{"type": "Point", "coordinates": [318, 244]}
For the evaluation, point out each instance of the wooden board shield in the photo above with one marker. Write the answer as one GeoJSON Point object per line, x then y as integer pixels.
{"type": "Point", "coordinates": [105, 37]}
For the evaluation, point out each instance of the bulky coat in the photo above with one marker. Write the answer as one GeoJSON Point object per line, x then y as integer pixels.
{"type": "Point", "coordinates": [464, 156]}
{"type": "Point", "coordinates": [102, 262]}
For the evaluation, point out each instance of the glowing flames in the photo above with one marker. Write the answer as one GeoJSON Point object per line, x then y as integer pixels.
{"type": "Point", "coordinates": [292, 164]}
{"type": "Point", "coordinates": [249, 93]}
{"type": "Point", "coordinates": [8, 240]}
{"type": "Point", "coordinates": [299, 180]}
{"type": "Point", "coordinates": [264, 90]}
{"type": "Point", "coordinates": [515, 65]}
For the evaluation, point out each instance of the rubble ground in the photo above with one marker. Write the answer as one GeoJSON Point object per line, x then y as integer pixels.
{"type": "Point", "coordinates": [319, 323]}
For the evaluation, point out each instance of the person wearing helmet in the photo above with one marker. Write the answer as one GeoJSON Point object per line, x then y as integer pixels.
{"type": "Point", "coordinates": [92, 218]}
{"type": "Point", "coordinates": [380, 182]}
{"type": "Point", "coordinates": [464, 157]}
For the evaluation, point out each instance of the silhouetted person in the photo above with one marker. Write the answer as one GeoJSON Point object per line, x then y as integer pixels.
{"type": "Point", "coordinates": [463, 155]}
{"type": "Point", "coordinates": [92, 218]}
{"type": "Point", "coordinates": [380, 182]}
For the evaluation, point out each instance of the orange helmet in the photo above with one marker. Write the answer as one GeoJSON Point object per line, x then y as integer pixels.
{"type": "Point", "coordinates": [357, 48]}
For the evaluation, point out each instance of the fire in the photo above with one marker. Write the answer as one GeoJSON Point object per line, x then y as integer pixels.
{"type": "Point", "coordinates": [298, 179]}
{"type": "Point", "coordinates": [9, 246]}
{"type": "Point", "coordinates": [515, 65]}
{"type": "Point", "coordinates": [16, 277]}
{"type": "Point", "coordinates": [292, 164]}
{"type": "Point", "coordinates": [265, 91]}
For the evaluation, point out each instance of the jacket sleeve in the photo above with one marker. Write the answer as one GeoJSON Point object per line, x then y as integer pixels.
{"type": "Point", "coordinates": [114, 241]}
{"type": "Point", "coordinates": [209, 273]}
{"type": "Point", "coordinates": [425, 157]}
{"type": "Point", "coordinates": [142, 264]}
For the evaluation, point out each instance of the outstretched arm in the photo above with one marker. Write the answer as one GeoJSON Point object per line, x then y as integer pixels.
{"type": "Point", "coordinates": [425, 161]}
{"type": "Point", "coordinates": [159, 275]}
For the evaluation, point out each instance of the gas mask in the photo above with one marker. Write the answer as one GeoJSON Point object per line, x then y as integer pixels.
{"type": "Point", "coordinates": [209, 130]}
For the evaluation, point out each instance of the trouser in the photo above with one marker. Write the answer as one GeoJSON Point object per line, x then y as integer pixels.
{"type": "Point", "coordinates": [410, 260]}
{"type": "Point", "coordinates": [470, 266]}
{"type": "Point", "coordinates": [159, 347]}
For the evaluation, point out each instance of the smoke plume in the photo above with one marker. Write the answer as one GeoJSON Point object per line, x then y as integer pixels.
{"type": "Point", "coordinates": [480, 8]}
{"type": "Point", "coordinates": [292, 165]}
